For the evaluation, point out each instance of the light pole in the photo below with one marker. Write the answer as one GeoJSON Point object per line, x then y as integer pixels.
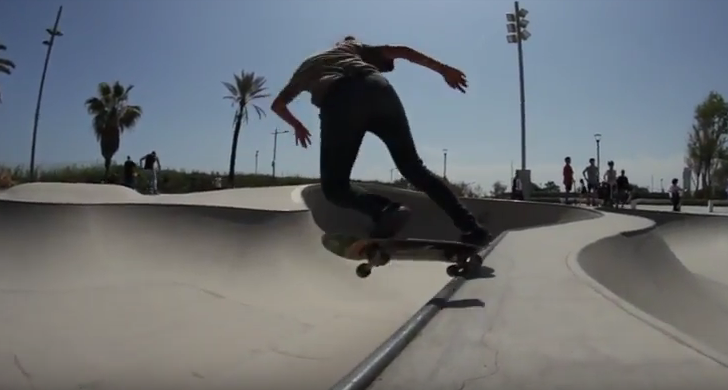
{"type": "Point", "coordinates": [54, 32]}
{"type": "Point", "coordinates": [517, 33]}
{"type": "Point", "coordinates": [444, 164]}
{"type": "Point", "coordinates": [256, 162]}
{"type": "Point", "coordinates": [598, 138]}
{"type": "Point", "coordinates": [275, 148]}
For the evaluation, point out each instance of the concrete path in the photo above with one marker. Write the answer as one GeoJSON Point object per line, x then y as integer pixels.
{"type": "Point", "coordinates": [618, 313]}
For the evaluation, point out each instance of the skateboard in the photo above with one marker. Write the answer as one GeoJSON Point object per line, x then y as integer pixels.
{"type": "Point", "coordinates": [377, 252]}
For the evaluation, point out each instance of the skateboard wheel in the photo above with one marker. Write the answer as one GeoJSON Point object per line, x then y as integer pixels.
{"type": "Point", "coordinates": [363, 270]}
{"type": "Point", "coordinates": [476, 260]}
{"type": "Point", "coordinates": [453, 270]}
{"type": "Point", "coordinates": [377, 257]}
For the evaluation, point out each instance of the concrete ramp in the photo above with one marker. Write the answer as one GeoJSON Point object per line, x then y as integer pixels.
{"type": "Point", "coordinates": [103, 288]}
{"type": "Point", "coordinates": [676, 271]}
{"type": "Point", "coordinates": [428, 221]}
{"type": "Point", "coordinates": [164, 296]}
{"type": "Point", "coordinates": [577, 306]}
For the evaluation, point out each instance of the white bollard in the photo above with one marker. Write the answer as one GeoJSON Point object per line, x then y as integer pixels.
{"type": "Point", "coordinates": [710, 206]}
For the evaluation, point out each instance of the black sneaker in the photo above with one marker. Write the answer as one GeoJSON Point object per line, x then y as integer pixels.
{"type": "Point", "coordinates": [478, 236]}
{"type": "Point", "coordinates": [391, 221]}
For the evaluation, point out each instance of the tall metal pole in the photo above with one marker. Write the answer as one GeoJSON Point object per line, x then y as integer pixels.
{"type": "Point", "coordinates": [521, 80]}
{"type": "Point", "coordinates": [598, 139]}
{"type": "Point", "coordinates": [275, 148]}
{"type": "Point", "coordinates": [53, 33]}
{"type": "Point", "coordinates": [256, 162]}
{"type": "Point", "coordinates": [444, 164]}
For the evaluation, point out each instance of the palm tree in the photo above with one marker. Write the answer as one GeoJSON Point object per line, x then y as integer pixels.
{"type": "Point", "coordinates": [246, 88]}
{"type": "Point", "coordinates": [6, 66]}
{"type": "Point", "coordinates": [112, 115]}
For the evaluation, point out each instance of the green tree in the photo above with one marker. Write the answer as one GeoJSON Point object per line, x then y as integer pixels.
{"type": "Point", "coordinates": [498, 189]}
{"type": "Point", "coordinates": [6, 66]}
{"type": "Point", "coordinates": [552, 187]}
{"type": "Point", "coordinates": [707, 139]}
{"type": "Point", "coordinates": [112, 115]}
{"type": "Point", "coordinates": [246, 88]}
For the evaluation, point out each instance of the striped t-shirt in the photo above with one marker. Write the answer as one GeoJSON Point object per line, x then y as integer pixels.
{"type": "Point", "coordinates": [318, 71]}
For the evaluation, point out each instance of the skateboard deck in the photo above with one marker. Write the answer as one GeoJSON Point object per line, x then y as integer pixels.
{"type": "Point", "coordinates": [378, 252]}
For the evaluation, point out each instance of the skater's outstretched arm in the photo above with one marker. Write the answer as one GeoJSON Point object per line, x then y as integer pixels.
{"type": "Point", "coordinates": [453, 77]}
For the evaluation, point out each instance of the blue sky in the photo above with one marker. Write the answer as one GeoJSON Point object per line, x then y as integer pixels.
{"type": "Point", "coordinates": [630, 70]}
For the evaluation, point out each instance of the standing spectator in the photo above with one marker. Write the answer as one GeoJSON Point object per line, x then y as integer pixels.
{"type": "Point", "coordinates": [129, 172]}
{"type": "Point", "coordinates": [516, 188]}
{"type": "Point", "coordinates": [568, 173]}
{"type": "Point", "coordinates": [582, 190]}
{"type": "Point", "coordinates": [623, 189]}
{"type": "Point", "coordinates": [610, 177]}
{"type": "Point", "coordinates": [591, 175]}
{"type": "Point", "coordinates": [151, 165]}
{"type": "Point", "coordinates": [675, 193]}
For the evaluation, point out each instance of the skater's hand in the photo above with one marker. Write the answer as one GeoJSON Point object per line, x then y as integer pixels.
{"type": "Point", "coordinates": [454, 78]}
{"type": "Point", "coordinates": [302, 135]}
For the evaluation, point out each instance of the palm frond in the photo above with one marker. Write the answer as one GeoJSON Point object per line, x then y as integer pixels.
{"type": "Point", "coordinates": [4, 62]}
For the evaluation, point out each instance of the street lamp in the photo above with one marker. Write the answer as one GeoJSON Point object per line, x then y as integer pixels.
{"type": "Point", "coordinates": [256, 162]}
{"type": "Point", "coordinates": [517, 33]}
{"type": "Point", "coordinates": [54, 32]}
{"type": "Point", "coordinates": [598, 138]}
{"type": "Point", "coordinates": [391, 174]}
{"type": "Point", "coordinates": [275, 148]}
{"type": "Point", "coordinates": [444, 164]}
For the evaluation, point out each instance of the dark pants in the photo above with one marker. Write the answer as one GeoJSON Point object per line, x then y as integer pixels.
{"type": "Point", "coordinates": [675, 200]}
{"type": "Point", "coordinates": [354, 106]}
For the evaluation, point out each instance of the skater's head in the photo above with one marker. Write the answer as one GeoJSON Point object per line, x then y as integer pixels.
{"type": "Point", "coordinates": [622, 172]}
{"type": "Point", "coordinates": [674, 182]}
{"type": "Point", "coordinates": [591, 161]}
{"type": "Point", "coordinates": [128, 158]}
{"type": "Point", "coordinates": [581, 181]}
{"type": "Point", "coordinates": [347, 39]}
{"type": "Point", "coordinates": [567, 160]}
{"type": "Point", "coordinates": [611, 164]}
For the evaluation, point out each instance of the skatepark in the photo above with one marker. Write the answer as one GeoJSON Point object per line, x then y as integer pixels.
{"type": "Point", "coordinates": [104, 288]}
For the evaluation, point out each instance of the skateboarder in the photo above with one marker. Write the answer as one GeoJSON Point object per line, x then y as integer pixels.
{"type": "Point", "coordinates": [353, 97]}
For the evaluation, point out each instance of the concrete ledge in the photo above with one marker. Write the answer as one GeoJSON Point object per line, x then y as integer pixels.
{"type": "Point", "coordinates": [654, 202]}
{"type": "Point", "coordinates": [362, 376]}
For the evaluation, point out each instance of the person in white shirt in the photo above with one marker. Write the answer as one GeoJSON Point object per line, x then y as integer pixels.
{"type": "Point", "coordinates": [675, 193]}
{"type": "Point", "coordinates": [610, 177]}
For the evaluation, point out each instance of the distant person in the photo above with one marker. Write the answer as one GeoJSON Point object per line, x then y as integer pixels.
{"type": "Point", "coordinates": [151, 164]}
{"type": "Point", "coordinates": [568, 174]}
{"type": "Point", "coordinates": [623, 189]}
{"type": "Point", "coordinates": [516, 188]}
{"type": "Point", "coordinates": [675, 193]}
{"type": "Point", "coordinates": [129, 172]}
{"type": "Point", "coordinates": [610, 177]}
{"type": "Point", "coordinates": [591, 175]}
{"type": "Point", "coordinates": [347, 84]}
{"type": "Point", "coordinates": [582, 189]}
